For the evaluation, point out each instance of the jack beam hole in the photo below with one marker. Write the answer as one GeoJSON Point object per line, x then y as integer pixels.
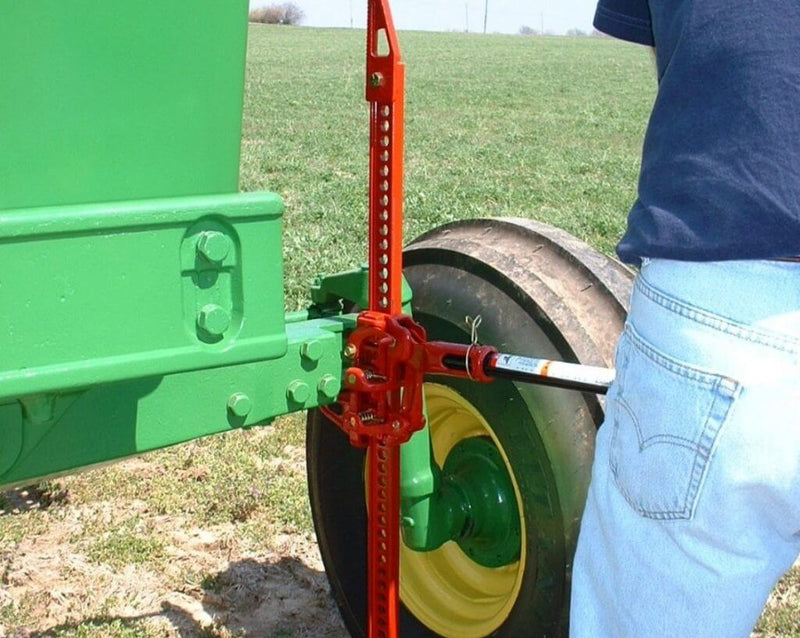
{"type": "Point", "coordinates": [382, 48]}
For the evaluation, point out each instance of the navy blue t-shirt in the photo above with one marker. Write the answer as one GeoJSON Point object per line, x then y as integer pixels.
{"type": "Point", "coordinates": [720, 172]}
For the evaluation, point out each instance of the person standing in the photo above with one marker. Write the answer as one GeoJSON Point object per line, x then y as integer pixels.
{"type": "Point", "coordinates": [693, 511]}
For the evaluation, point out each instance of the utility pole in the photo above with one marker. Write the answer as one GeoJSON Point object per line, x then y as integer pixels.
{"type": "Point", "coordinates": [485, 16]}
{"type": "Point", "coordinates": [351, 14]}
{"type": "Point", "coordinates": [541, 15]}
{"type": "Point", "coordinates": [466, 9]}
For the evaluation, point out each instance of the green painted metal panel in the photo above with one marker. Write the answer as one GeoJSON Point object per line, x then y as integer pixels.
{"type": "Point", "coordinates": [62, 432]}
{"type": "Point", "coordinates": [108, 101]}
{"type": "Point", "coordinates": [104, 292]}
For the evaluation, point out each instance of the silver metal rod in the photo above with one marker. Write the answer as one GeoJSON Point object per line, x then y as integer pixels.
{"type": "Point", "coordinates": [559, 374]}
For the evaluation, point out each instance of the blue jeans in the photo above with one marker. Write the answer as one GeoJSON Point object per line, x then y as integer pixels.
{"type": "Point", "coordinates": [694, 506]}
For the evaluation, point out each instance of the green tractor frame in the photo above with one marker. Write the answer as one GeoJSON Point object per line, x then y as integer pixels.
{"type": "Point", "coordinates": [142, 307]}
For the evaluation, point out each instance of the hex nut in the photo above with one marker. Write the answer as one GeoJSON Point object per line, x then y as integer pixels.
{"type": "Point", "coordinates": [312, 350]}
{"type": "Point", "coordinates": [213, 245]}
{"type": "Point", "coordinates": [298, 391]}
{"type": "Point", "coordinates": [214, 319]}
{"type": "Point", "coordinates": [350, 351]}
{"type": "Point", "coordinates": [328, 386]}
{"type": "Point", "coordinates": [240, 404]}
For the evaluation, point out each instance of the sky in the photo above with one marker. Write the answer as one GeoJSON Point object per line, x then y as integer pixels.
{"type": "Point", "coordinates": [505, 16]}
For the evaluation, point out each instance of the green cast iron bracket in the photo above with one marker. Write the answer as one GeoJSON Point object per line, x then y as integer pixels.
{"type": "Point", "coordinates": [350, 288]}
{"type": "Point", "coordinates": [60, 432]}
{"type": "Point", "coordinates": [104, 292]}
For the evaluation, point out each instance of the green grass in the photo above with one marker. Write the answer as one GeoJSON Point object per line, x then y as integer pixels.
{"type": "Point", "coordinates": [128, 543]}
{"type": "Point", "coordinates": [781, 617]}
{"type": "Point", "coordinates": [239, 477]}
{"type": "Point", "coordinates": [545, 128]}
{"type": "Point", "coordinates": [106, 628]}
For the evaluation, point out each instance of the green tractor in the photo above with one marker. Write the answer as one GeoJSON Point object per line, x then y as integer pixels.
{"type": "Point", "coordinates": [142, 302]}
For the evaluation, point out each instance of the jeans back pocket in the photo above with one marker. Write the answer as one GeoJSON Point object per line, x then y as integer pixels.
{"type": "Point", "coordinates": [666, 417]}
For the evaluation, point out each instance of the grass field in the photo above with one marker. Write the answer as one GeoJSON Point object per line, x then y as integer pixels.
{"type": "Point", "coordinates": [548, 128]}
{"type": "Point", "coordinates": [171, 544]}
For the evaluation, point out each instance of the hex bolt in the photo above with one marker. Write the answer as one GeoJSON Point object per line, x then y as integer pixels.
{"type": "Point", "coordinates": [213, 245]}
{"type": "Point", "coordinates": [240, 404]}
{"type": "Point", "coordinates": [350, 351]}
{"type": "Point", "coordinates": [377, 80]}
{"type": "Point", "coordinates": [298, 391]}
{"type": "Point", "coordinates": [214, 319]}
{"type": "Point", "coordinates": [312, 350]}
{"type": "Point", "coordinates": [328, 386]}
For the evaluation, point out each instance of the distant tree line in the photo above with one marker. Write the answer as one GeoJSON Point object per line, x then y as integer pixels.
{"type": "Point", "coordinates": [286, 13]}
{"type": "Point", "coordinates": [574, 33]}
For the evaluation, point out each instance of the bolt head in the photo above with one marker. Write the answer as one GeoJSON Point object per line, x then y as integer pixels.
{"type": "Point", "coordinates": [214, 319]}
{"type": "Point", "coordinates": [240, 404]}
{"type": "Point", "coordinates": [377, 80]}
{"type": "Point", "coordinates": [328, 386]}
{"type": "Point", "coordinates": [213, 245]}
{"type": "Point", "coordinates": [312, 350]}
{"type": "Point", "coordinates": [298, 392]}
{"type": "Point", "coordinates": [350, 351]}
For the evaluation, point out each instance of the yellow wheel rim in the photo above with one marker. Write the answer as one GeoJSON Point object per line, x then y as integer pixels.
{"type": "Point", "coordinates": [446, 590]}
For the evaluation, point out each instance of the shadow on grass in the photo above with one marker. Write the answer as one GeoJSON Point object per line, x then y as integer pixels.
{"type": "Point", "coordinates": [32, 497]}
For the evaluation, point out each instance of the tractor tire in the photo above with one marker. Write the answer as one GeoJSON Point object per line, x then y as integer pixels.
{"type": "Point", "coordinates": [540, 293]}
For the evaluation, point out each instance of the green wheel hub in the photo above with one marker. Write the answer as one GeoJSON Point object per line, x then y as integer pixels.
{"type": "Point", "coordinates": [490, 534]}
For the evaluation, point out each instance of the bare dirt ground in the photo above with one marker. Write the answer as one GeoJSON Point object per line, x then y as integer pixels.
{"type": "Point", "coordinates": [73, 563]}
{"type": "Point", "coordinates": [280, 592]}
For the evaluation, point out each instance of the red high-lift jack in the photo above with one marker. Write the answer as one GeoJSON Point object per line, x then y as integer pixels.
{"type": "Point", "coordinates": [381, 405]}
